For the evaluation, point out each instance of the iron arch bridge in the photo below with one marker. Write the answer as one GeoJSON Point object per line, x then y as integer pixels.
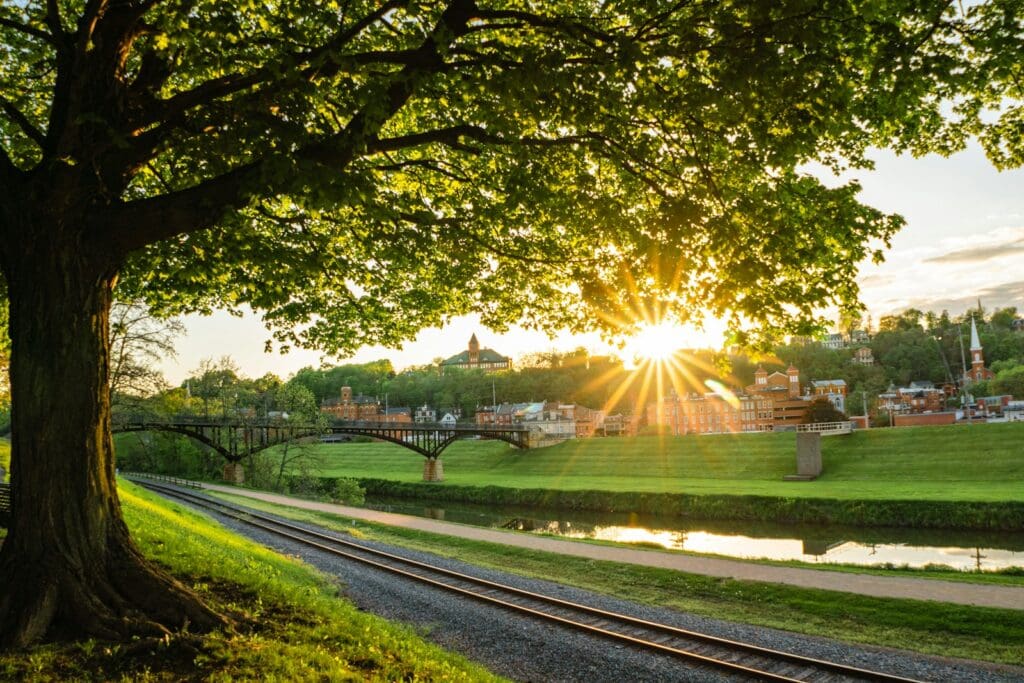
{"type": "Point", "coordinates": [237, 440]}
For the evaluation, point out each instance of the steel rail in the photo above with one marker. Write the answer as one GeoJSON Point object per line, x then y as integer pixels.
{"type": "Point", "coordinates": [748, 649]}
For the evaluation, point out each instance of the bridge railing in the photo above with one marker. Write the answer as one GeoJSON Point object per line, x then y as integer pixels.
{"type": "Point", "coordinates": [843, 427]}
{"type": "Point", "coordinates": [177, 481]}
{"type": "Point", "coordinates": [427, 426]}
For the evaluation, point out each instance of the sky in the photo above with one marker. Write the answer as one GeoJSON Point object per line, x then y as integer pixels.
{"type": "Point", "coordinates": [964, 240]}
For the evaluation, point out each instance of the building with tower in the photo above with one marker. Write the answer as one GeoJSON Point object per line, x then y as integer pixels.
{"type": "Point", "coordinates": [978, 371]}
{"type": "Point", "coordinates": [788, 407]}
{"type": "Point", "coordinates": [475, 358]}
{"type": "Point", "coordinates": [349, 406]}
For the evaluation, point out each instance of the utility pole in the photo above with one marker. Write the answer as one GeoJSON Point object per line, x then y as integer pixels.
{"type": "Point", "coordinates": [963, 377]}
{"type": "Point", "coordinates": [867, 418]}
{"type": "Point", "coordinates": [494, 404]}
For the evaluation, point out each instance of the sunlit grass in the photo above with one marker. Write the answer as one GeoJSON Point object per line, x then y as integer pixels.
{"type": "Point", "coordinates": [980, 463]}
{"type": "Point", "coordinates": [292, 625]}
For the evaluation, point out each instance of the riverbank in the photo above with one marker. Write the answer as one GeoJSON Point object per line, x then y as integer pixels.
{"type": "Point", "coordinates": [743, 592]}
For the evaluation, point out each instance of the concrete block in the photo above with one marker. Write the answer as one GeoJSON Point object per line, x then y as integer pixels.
{"type": "Point", "coordinates": [808, 454]}
{"type": "Point", "coordinates": [433, 470]}
{"type": "Point", "coordinates": [234, 473]}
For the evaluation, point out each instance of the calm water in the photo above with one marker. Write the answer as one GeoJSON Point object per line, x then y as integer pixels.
{"type": "Point", "coordinates": [755, 540]}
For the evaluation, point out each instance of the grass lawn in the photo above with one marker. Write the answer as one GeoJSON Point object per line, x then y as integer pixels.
{"type": "Point", "coordinates": [5, 456]}
{"type": "Point", "coordinates": [290, 623]}
{"type": "Point", "coordinates": [978, 463]}
{"type": "Point", "coordinates": [936, 628]}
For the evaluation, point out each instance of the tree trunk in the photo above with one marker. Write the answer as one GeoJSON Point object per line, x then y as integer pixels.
{"type": "Point", "coordinates": [68, 566]}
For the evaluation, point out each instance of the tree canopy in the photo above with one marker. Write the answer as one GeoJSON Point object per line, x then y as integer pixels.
{"type": "Point", "coordinates": [359, 170]}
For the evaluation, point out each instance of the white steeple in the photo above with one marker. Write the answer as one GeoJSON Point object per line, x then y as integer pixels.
{"type": "Point", "coordinates": [975, 342]}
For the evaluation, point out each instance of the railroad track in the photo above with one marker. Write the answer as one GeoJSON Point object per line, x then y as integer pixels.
{"type": "Point", "coordinates": [744, 659]}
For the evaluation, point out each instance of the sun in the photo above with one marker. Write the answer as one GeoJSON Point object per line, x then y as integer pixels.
{"type": "Point", "coordinates": [659, 342]}
{"type": "Point", "coordinates": [655, 342]}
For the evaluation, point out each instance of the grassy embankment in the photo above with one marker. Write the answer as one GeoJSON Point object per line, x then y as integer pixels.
{"type": "Point", "coordinates": [943, 629]}
{"type": "Point", "coordinates": [939, 477]}
{"type": "Point", "coordinates": [956, 463]}
{"type": "Point", "coordinates": [290, 622]}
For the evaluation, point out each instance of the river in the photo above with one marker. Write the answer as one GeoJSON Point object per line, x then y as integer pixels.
{"type": "Point", "coordinates": [964, 550]}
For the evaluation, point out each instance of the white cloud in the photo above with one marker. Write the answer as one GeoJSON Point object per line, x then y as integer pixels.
{"type": "Point", "coordinates": [951, 274]}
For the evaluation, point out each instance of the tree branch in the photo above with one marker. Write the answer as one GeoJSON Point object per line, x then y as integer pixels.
{"type": "Point", "coordinates": [136, 224]}
{"type": "Point", "coordinates": [53, 20]}
{"type": "Point", "coordinates": [15, 115]}
{"type": "Point", "coordinates": [217, 88]}
{"type": "Point", "coordinates": [28, 30]}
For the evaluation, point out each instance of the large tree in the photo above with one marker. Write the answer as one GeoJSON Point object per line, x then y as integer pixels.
{"type": "Point", "coordinates": [358, 169]}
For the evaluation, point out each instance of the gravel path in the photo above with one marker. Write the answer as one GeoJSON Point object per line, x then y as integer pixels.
{"type": "Point", "coordinates": [981, 595]}
{"type": "Point", "coordinates": [526, 650]}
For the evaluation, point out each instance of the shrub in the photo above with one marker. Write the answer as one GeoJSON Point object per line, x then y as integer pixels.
{"type": "Point", "coordinates": [348, 492]}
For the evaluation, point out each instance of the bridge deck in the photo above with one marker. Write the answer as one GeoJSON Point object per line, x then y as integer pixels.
{"type": "Point", "coordinates": [236, 440]}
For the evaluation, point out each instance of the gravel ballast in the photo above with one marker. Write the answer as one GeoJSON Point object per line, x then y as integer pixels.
{"type": "Point", "coordinates": [529, 650]}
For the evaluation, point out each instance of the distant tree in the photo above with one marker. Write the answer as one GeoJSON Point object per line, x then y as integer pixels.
{"type": "Point", "coordinates": [138, 341]}
{"type": "Point", "coordinates": [1009, 381]}
{"type": "Point", "coordinates": [302, 408]}
{"type": "Point", "coordinates": [821, 410]}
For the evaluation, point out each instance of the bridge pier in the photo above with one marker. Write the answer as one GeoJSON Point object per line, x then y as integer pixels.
{"type": "Point", "coordinates": [234, 473]}
{"type": "Point", "coordinates": [433, 470]}
{"type": "Point", "coordinates": [808, 457]}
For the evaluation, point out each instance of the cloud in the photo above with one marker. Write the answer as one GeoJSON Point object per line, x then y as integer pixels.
{"type": "Point", "coordinates": [952, 274]}
{"type": "Point", "coordinates": [1002, 295]}
{"type": "Point", "coordinates": [978, 254]}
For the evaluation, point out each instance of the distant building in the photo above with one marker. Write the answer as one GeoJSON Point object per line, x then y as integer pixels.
{"type": "Point", "coordinates": [788, 408]}
{"type": "Point", "coordinates": [712, 413]}
{"type": "Point", "coordinates": [834, 341]}
{"type": "Point", "coordinates": [620, 425]}
{"type": "Point", "coordinates": [863, 356]}
{"type": "Point", "coordinates": [978, 371]}
{"type": "Point", "coordinates": [399, 415]}
{"type": "Point", "coordinates": [425, 414]}
{"type": "Point", "coordinates": [832, 389]}
{"type": "Point", "coordinates": [448, 420]}
{"type": "Point", "coordinates": [919, 397]}
{"type": "Point", "coordinates": [859, 337]}
{"type": "Point", "coordinates": [351, 407]}
{"type": "Point", "coordinates": [994, 406]}
{"type": "Point", "coordinates": [475, 358]}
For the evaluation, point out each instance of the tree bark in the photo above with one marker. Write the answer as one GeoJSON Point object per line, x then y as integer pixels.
{"type": "Point", "coordinates": [68, 566]}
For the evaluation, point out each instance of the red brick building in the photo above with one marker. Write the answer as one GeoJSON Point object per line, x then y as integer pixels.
{"type": "Point", "coordinates": [711, 414]}
{"type": "Point", "coordinates": [349, 407]}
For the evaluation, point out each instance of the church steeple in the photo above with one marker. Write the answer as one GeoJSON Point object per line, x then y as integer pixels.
{"type": "Point", "coordinates": [977, 357]}
{"type": "Point", "coordinates": [474, 350]}
{"type": "Point", "coordinates": [978, 371]}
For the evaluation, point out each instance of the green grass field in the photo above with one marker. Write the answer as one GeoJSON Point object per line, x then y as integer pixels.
{"type": "Point", "coordinates": [288, 622]}
{"type": "Point", "coordinates": [978, 463]}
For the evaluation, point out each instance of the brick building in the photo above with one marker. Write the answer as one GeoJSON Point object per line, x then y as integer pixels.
{"type": "Point", "coordinates": [712, 413]}
{"type": "Point", "coordinates": [351, 407]}
{"type": "Point", "coordinates": [475, 358]}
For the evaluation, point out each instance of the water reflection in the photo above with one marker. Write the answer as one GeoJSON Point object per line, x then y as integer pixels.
{"type": "Point", "coordinates": [753, 540]}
